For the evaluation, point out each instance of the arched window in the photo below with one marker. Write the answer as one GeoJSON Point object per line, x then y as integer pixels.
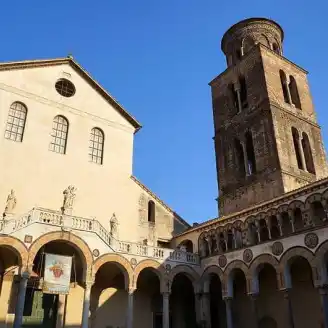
{"type": "Point", "coordinates": [243, 92]}
{"type": "Point", "coordinates": [151, 211]}
{"type": "Point", "coordinates": [294, 92]}
{"type": "Point", "coordinates": [230, 241]}
{"type": "Point", "coordinates": [238, 54]}
{"type": "Point", "coordinates": [59, 135]}
{"type": "Point", "coordinates": [251, 161]}
{"type": "Point", "coordinates": [298, 219]}
{"type": "Point", "coordinates": [318, 212]}
{"type": "Point", "coordinates": [274, 227]}
{"type": "Point", "coordinates": [239, 155]}
{"type": "Point", "coordinates": [284, 86]}
{"type": "Point", "coordinates": [275, 48]}
{"type": "Point", "coordinates": [223, 245]}
{"type": "Point", "coordinates": [264, 231]}
{"type": "Point", "coordinates": [297, 148]}
{"type": "Point", "coordinates": [307, 153]}
{"type": "Point", "coordinates": [234, 97]}
{"type": "Point", "coordinates": [16, 122]}
{"type": "Point", "coordinates": [286, 225]}
{"type": "Point", "coordinates": [96, 146]}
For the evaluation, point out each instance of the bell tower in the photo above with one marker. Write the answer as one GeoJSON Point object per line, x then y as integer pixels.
{"type": "Point", "coordinates": [267, 139]}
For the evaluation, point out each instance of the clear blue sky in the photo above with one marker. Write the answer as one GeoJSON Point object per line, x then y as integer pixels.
{"type": "Point", "coordinates": [156, 58]}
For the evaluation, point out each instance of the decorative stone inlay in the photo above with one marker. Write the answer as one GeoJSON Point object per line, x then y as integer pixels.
{"type": "Point", "coordinates": [248, 255]}
{"type": "Point", "coordinates": [28, 239]}
{"type": "Point", "coordinates": [311, 240]}
{"type": "Point", "coordinates": [168, 268]}
{"type": "Point", "coordinates": [277, 248]}
{"type": "Point", "coordinates": [95, 252]}
{"type": "Point", "coordinates": [133, 262]}
{"type": "Point", "coordinates": [222, 261]}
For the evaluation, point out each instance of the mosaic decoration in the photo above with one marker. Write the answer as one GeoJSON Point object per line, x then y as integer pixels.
{"type": "Point", "coordinates": [133, 262]}
{"type": "Point", "coordinates": [311, 240]}
{"type": "Point", "coordinates": [28, 239]}
{"type": "Point", "coordinates": [95, 252]}
{"type": "Point", "coordinates": [277, 248]}
{"type": "Point", "coordinates": [248, 255]}
{"type": "Point", "coordinates": [222, 261]}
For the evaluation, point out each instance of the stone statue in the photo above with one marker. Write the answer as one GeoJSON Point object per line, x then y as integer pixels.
{"type": "Point", "coordinates": [69, 196]}
{"type": "Point", "coordinates": [113, 226]}
{"type": "Point", "coordinates": [11, 202]}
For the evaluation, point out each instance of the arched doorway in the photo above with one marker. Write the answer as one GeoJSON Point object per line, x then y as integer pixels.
{"type": "Point", "coordinates": [242, 313]}
{"type": "Point", "coordinates": [148, 302]}
{"type": "Point", "coordinates": [182, 302]}
{"type": "Point", "coordinates": [44, 309]}
{"type": "Point", "coordinates": [109, 297]}
{"type": "Point", "coordinates": [217, 304]}
{"type": "Point", "coordinates": [269, 301]}
{"type": "Point", "coordinates": [305, 313]}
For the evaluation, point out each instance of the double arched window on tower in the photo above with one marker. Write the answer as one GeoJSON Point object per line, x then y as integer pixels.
{"type": "Point", "coordinates": [245, 159]}
{"type": "Point", "coordinates": [303, 151]}
{"type": "Point", "coordinates": [290, 90]}
{"type": "Point", "coordinates": [238, 94]}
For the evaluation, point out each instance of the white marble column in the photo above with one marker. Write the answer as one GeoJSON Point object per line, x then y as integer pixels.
{"type": "Point", "coordinates": [19, 310]}
{"type": "Point", "coordinates": [86, 304]}
{"type": "Point", "coordinates": [166, 309]}
{"type": "Point", "coordinates": [129, 314]}
{"type": "Point", "coordinates": [301, 153]}
{"type": "Point", "coordinates": [245, 158]}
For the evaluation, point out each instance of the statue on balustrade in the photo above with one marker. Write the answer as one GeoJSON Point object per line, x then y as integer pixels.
{"type": "Point", "coordinates": [69, 197]}
{"type": "Point", "coordinates": [10, 203]}
{"type": "Point", "coordinates": [113, 227]}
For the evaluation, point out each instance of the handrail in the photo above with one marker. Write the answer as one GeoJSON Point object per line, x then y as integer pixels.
{"type": "Point", "coordinates": [67, 222]}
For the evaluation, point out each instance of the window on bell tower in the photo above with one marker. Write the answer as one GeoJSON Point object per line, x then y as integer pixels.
{"type": "Point", "coordinates": [243, 92]}
{"type": "Point", "coordinates": [294, 92]}
{"type": "Point", "coordinates": [251, 160]}
{"type": "Point", "coordinates": [307, 153]}
{"type": "Point", "coordinates": [297, 148]}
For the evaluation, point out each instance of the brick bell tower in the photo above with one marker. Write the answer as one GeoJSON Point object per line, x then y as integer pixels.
{"type": "Point", "coordinates": [267, 139]}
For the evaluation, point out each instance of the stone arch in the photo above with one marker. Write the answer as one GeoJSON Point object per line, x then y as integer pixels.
{"type": "Point", "coordinates": [79, 244]}
{"type": "Point", "coordinates": [325, 195]}
{"type": "Point", "coordinates": [238, 224]}
{"type": "Point", "coordinates": [212, 269]}
{"type": "Point", "coordinates": [256, 265]}
{"type": "Point", "coordinates": [249, 220]}
{"type": "Point", "coordinates": [228, 277]}
{"type": "Point", "coordinates": [271, 211]}
{"type": "Point", "coordinates": [287, 257]}
{"type": "Point", "coordinates": [18, 247]}
{"type": "Point", "coordinates": [121, 262]}
{"type": "Point", "coordinates": [312, 198]}
{"type": "Point", "coordinates": [188, 271]}
{"type": "Point", "coordinates": [282, 208]}
{"type": "Point", "coordinates": [320, 260]}
{"type": "Point", "coordinates": [153, 265]}
{"type": "Point", "coordinates": [296, 204]}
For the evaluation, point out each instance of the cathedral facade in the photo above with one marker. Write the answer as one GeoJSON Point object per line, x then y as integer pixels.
{"type": "Point", "coordinates": [84, 243]}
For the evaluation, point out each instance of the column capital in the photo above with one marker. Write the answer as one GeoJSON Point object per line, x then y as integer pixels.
{"type": "Point", "coordinates": [131, 290]}
{"type": "Point", "coordinates": [323, 289]}
{"type": "Point", "coordinates": [285, 292]}
{"type": "Point", "coordinates": [227, 298]}
{"type": "Point", "coordinates": [88, 284]}
{"type": "Point", "coordinates": [253, 296]}
{"type": "Point", "coordinates": [25, 275]}
{"type": "Point", "coordinates": [166, 294]}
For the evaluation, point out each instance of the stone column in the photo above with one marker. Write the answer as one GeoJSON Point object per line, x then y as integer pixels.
{"type": "Point", "coordinates": [245, 158]}
{"type": "Point", "coordinates": [323, 290]}
{"type": "Point", "coordinates": [129, 315]}
{"type": "Point", "coordinates": [228, 301]}
{"type": "Point", "coordinates": [166, 309]}
{"type": "Point", "coordinates": [237, 90]}
{"type": "Point", "coordinates": [86, 304]}
{"type": "Point", "coordinates": [253, 298]}
{"type": "Point", "coordinates": [205, 308]}
{"type": "Point", "coordinates": [288, 309]}
{"type": "Point", "coordinates": [61, 311]}
{"type": "Point", "coordinates": [268, 224]}
{"type": "Point", "coordinates": [279, 217]}
{"type": "Point", "coordinates": [291, 219]}
{"type": "Point", "coordinates": [19, 310]}
{"type": "Point", "coordinates": [301, 153]}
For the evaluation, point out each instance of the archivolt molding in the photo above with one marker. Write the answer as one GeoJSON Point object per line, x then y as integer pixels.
{"type": "Point", "coordinates": [155, 266]}
{"type": "Point", "coordinates": [212, 269]}
{"type": "Point", "coordinates": [312, 198]}
{"type": "Point", "coordinates": [227, 285]}
{"type": "Point", "coordinates": [79, 244]}
{"type": "Point", "coordinates": [18, 247]}
{"type": "Point", "coordinates": [186, 270]}
{"type": "Point", "coordinates": [122, 263]}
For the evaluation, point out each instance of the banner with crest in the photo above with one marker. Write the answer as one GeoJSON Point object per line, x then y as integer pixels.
{"type": "Point", "coordinates": [57, 274]}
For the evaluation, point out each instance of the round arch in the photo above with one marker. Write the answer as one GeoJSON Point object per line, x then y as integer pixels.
{"type": "Point", "coordinates": [79, 244]}
{"type": "Point", "coordinates": [186, 270]}
{"type": "Point", "coordinates": [18, 247]}
{"type": "Point", "coordinates": [121, 262]}
{"type": "Point", "coordinates": [321, 256]}
{"type": "Point", "coordinates": [256, 266]}
{"type": "Point", "coordinates": [228, 276]}
{"type": "Point", "coordinates": [153, 265]}
{"type": "Point", "coordinates": [287, 258]}
{"type": "Point", "coordinates": [210, 270]}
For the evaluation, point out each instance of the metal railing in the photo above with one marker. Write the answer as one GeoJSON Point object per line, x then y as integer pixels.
{"type": "Point", "coordinates": [69, 222]}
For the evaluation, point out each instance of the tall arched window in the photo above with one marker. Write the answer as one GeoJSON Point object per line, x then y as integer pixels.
{"type": "Point", "coordinates": [16, 122]}
{"type": "Point", "coordinates": [275, 48]}
{"type": "Point", "coordinates": [307, 153]}
{"type": "Point", "coordinates": [96, 146]}
{"type": "Point", "coordinates": [243, 92]}
{"type": "Point", "coordinates": [297, 148]}
{"type": "Point", "coordinates": [234, 97]}
{"type": "Point", "coordinates": [151, 211]}
{"type": "Point", "coordinates": [59, 135]}
{"type": "Point", "coordinates": [239, 155]}
{"type": "Point", "coordinates": [251, 160]}
{"type": "Point", "coordinates": [284, 86]}
{"type": "Point", "coordinates": [294, 92]}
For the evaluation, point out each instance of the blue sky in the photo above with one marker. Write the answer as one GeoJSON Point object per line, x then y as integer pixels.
{"type": "Point", "coordinates": [156, 58]}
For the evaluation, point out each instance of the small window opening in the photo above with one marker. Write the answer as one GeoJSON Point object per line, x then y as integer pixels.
{"type": "Point", "coordinates": [297, 148]}
{"type": "Point", "coordinates": [151, 211]}
{"type": "Point", "coordinates": [294, 92]}
{"type": "Point", "coordinates": [239, 153]}
{"type": "Point", "coordinates": [284, 86]}
{"type": "Point", "coordinates": [307, 153]}
{"type": "Point", "coordinates": [251, 161]}
{"type": "Point", "coordinates": [243, 92]}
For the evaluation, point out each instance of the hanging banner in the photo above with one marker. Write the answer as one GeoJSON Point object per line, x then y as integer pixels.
{"type": "Point", "coordinates": [57, 274]}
